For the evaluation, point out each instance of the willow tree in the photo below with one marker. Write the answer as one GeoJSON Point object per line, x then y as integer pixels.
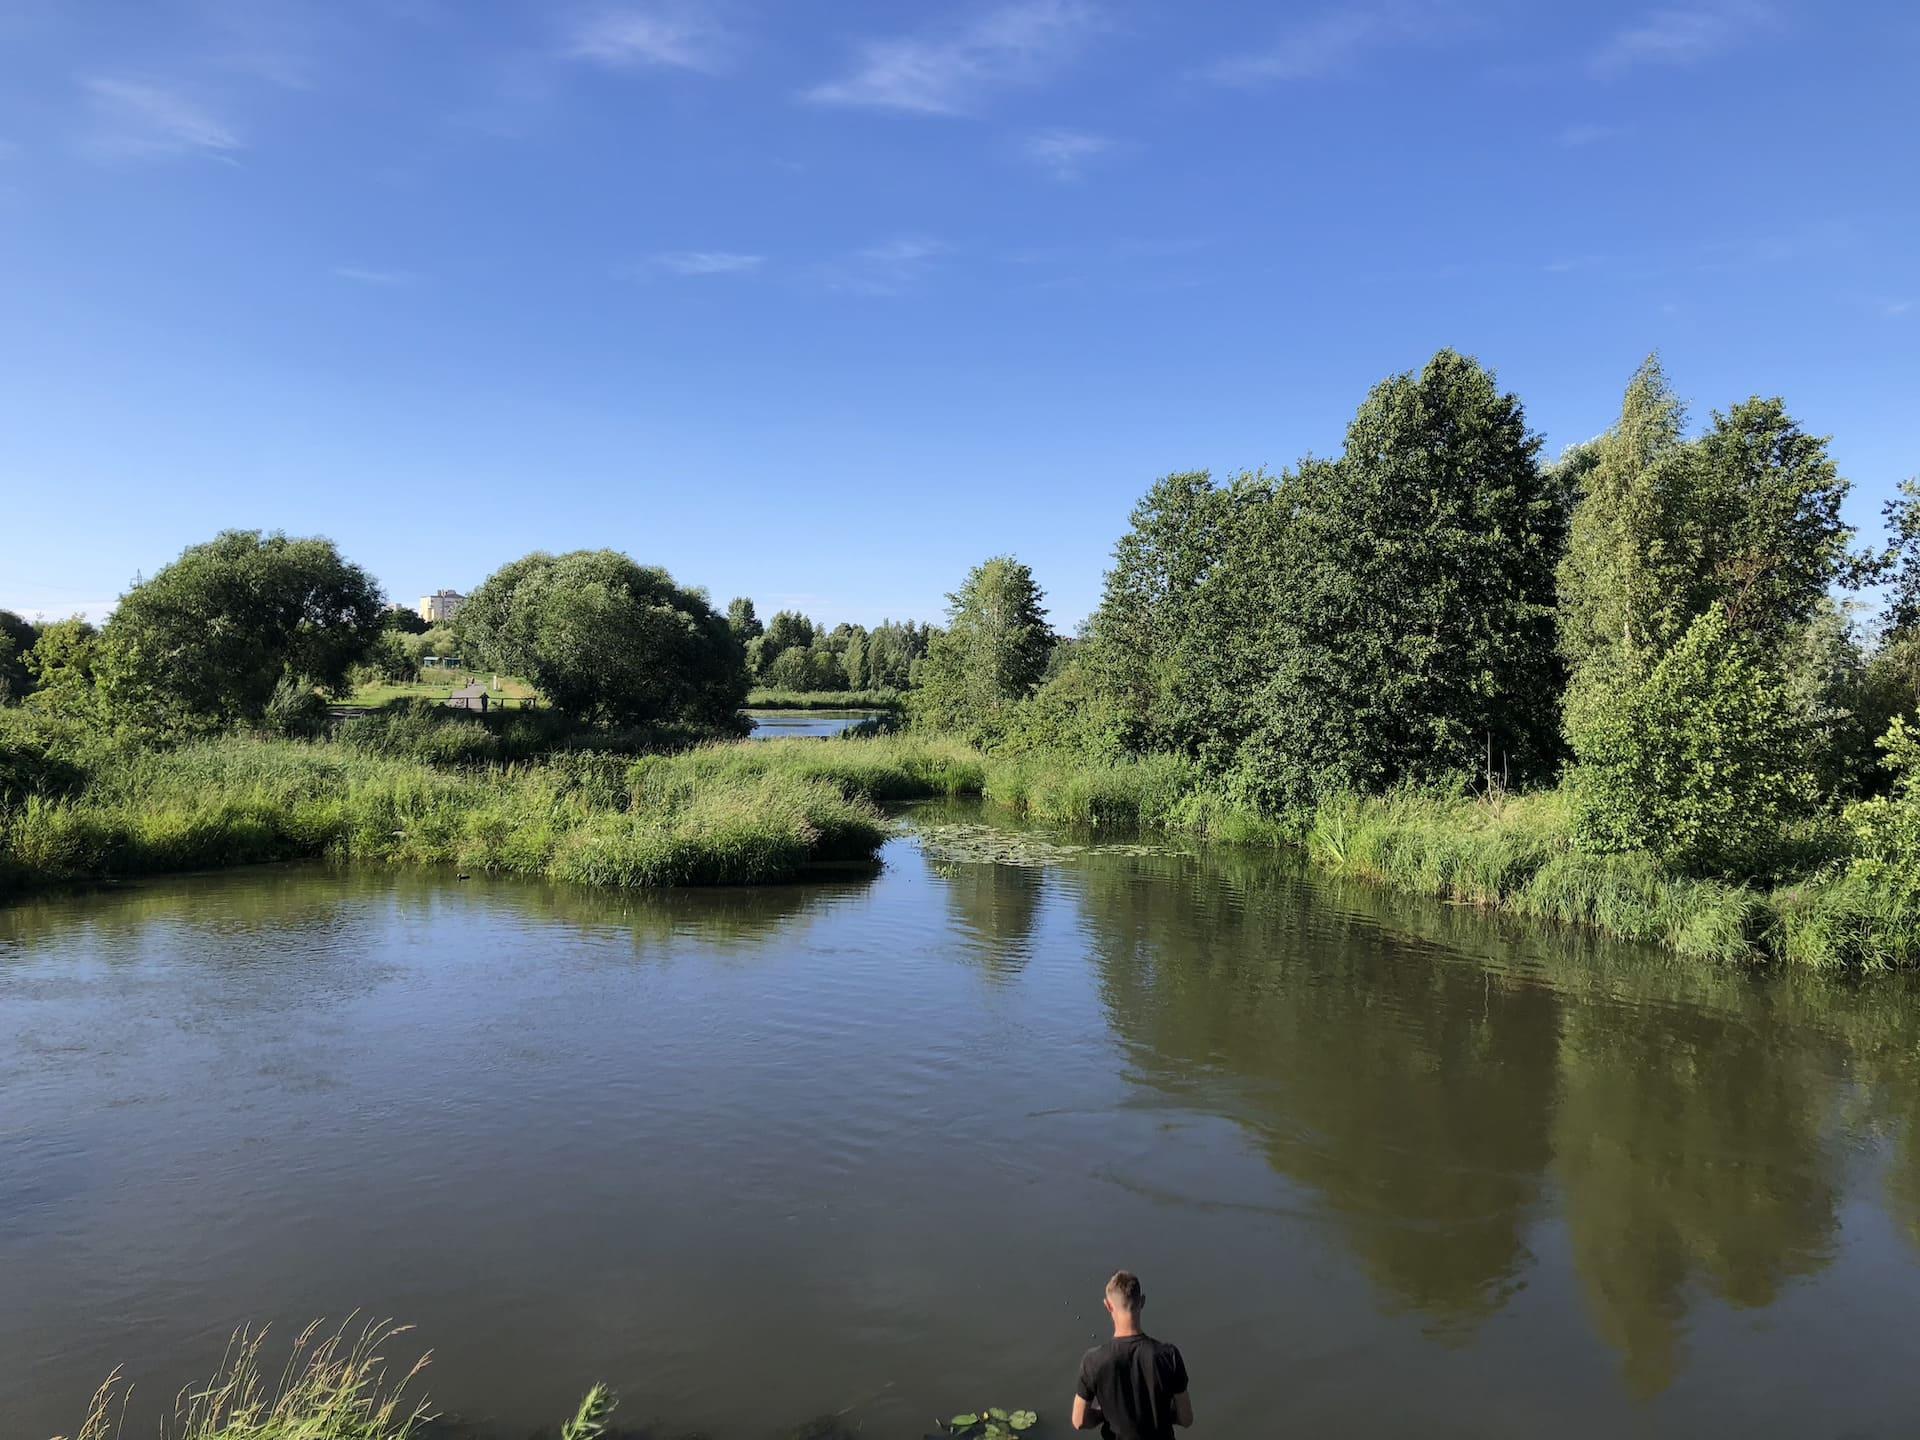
{"type": "Point", "coordinates": [208, 639]}
{"type": "Point", "coordinates": [607, 640]}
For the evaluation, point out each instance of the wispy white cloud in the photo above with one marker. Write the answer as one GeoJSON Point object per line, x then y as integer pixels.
{"type": "Point", "coordinates": [951, 72]}
{"type": "Point", "coordinates": [1064, 153]}
{"type": "Point", "coordinates": [135, 120]}
{"type": "Point", "coordinates": [664, 33]}
{"type": "Point", "coordinates": [706, 262]}
{"type": "Point", "coordinates": [363, 275]}
{"type": "Point", "coordinates": [1686, 34]}
{"type": "Point", "coordinates": [1334, 41]}
{"type": "Point", "coordinates": [1575, 136]}
{"type": "Point", "coordinates": [1892, 308]}
{"type": "Point", "coordinates": [892, 267]}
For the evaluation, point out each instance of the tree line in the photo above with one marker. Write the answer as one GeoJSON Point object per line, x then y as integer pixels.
{"type": "Point", "coordinates": [1657, 619]}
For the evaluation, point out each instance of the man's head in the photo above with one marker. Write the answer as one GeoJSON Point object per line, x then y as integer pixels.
{"type": "Point", "coordinates": [1125, 1299]}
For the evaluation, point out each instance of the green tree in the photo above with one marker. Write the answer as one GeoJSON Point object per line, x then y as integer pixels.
{"type": "Point", "coordinates": [17, 637]}
{"type": "Point", "coordinates": [992, 653]}
{"type": "Point", "coordinates": [1743, 526]}
{"type": "Point", "coordinates": [1139, 653]}
{"type": "Point", "coordinates": [1389, 616]}
{"type": "Point", "coordinates": [1631, 571]}
{"type": "Point", "coordinates": [1701, 757]}
{"type": "Point", "coordinates": [892, 649]}
{"type": "Point", "coordinates": [405, 620]}
{"type": "Point", "coordinates": [205, 641]}
{"type": "Point", "coordinates": [741, 620]}
{"type": "Point", "coordinates": [607, 640]}
{"type": "Point", "coordinates": [61, 664]}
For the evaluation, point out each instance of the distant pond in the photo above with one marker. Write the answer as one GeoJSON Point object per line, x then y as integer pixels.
{"type": "Point", "coordinates": [818, 724]}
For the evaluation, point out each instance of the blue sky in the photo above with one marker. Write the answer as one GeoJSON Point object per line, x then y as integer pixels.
{"type": "Point", "coordinates": [823, 302]}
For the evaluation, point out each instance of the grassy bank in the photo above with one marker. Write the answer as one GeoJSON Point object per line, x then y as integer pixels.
{"type": "Point", "coordinates": [573, 816]}
{"type": "Point", "coordinates": [825, 700]}
{"type": "Point", "coordinates": [1512, 854]}
{"type": "Point", "coordinates": [754, 813]}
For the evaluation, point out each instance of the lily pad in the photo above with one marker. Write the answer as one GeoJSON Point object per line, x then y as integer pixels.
{"type": "Point", "coordinates": [961, 1422]}
{"type": "Point", "coordinates": [1022, 1419]}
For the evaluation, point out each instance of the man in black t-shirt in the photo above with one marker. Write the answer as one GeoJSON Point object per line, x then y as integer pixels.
{"type": "Point", "coordinates": [1134, 1387]}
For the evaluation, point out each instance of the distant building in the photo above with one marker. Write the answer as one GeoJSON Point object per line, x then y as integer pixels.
{"type": "Point", "coordinates": [441, 606]}
{"type": "Point", "coordinates": [474, 697]}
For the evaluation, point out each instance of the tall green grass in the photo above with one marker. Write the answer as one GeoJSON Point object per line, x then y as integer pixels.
{"type": "Point", "coordinates": [332, 1386]}
{"type": "Point", "coordinates": [766, 699]}
{"type": "Point", "coordinates": [237, 801]}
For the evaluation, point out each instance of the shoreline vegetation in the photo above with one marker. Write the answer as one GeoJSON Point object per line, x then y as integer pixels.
{"type": "Point", "coordinates": [766, 812]}
{"type": "Point", "coordinates": [1620, 690]}
{"type": "Point", "coordinates": [886, 700]}
{"type": "Point", "coordinates": [340, 1384]}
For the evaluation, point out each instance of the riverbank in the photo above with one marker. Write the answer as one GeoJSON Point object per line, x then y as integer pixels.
{"type": "Point", "coordinates": [738, 814]}
{"type": "Point", "coordinates": [572, 816]}
{"type": "Point", "coordinates": [1513, 854]}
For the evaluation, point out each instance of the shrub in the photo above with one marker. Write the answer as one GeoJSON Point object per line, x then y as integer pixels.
{"type": "Point", "coordinates": [1703, 761]}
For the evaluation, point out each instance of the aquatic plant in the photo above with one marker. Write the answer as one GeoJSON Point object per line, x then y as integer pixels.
{"type": "Point", "coordinates": [992, 1423]}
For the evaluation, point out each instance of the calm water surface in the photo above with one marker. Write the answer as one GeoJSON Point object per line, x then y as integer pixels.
{"type": "Point", "coordinates": [818, 724]}
{"type": "Point", "coordinates": [870, 1147]}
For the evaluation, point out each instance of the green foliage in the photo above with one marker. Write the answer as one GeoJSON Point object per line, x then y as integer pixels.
{"type": "Point", "coordinates": [742, 621]}
{"type": "Point", "coordinates": [17, 637]}
{"type": "Point", "coordinates": [1701, 758]}
{"type": "Point", "coordinates": [891, 651]}
{"type": "Point", "coordinates": [606, 640]}
{"type": "Point", "coordinates": [333, 1387]}
{"type": "Point", "coordinates": [405, 620]}
{"type": "Point", "coordinates": [764, 699]}
{"type": "Point", "coordinates": [1352, 623]}
{"type": "Point", "coordinates": [1631, 572]}
{"type": "Point", "coordinates": [992, 1423]}
{"type": "Point", "coordinates": [294, 709]}
{"type": "Point", "coordinates": [992, 653]}
{"type": "Point", "coordinates": [62, 663]}
{"type": "Point", "coordinates": [204, 642]}
{"type": "Point", "coordinates": [392, 660]}
{"type": "Point", "coordinates": [237, 800]}
{"type": "Point", "coordinates": [1138, 661]}
{"type": "Point", "coordinates": [591, 1420]}
{"type": "Point", "coordinates": [1716, 691]}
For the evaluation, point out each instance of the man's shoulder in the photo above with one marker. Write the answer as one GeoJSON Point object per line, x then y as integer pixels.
{"type": "Point", "coordinates": [1096, 1354]}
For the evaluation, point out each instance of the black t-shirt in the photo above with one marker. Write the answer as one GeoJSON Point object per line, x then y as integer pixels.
{"type": "Point", "coordinates": [1134, 1379]}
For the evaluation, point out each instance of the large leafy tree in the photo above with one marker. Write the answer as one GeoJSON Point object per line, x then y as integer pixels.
{"type": "Point", "coordinates": [207, 639]}
{"type": "Point", "coordinates": [1139, 653]}
{"type": "Point", "coordinates": [1738, 537]}
{"type": "Point", "coordinates": [992, 653]}
{"type": "Point", "coordinates": [1389, 616]}
{"type": "Point", "coordinates": [607, 640]}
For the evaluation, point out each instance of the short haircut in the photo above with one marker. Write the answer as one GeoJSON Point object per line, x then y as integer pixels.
{"type": "Point", "coordinates": [1125, 1292]}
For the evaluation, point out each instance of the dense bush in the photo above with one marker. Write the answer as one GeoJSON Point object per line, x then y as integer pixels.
{"type": "Point", "coordinates": [1703, 760]}
{"type": "Point", "coordinates": [207, 640]}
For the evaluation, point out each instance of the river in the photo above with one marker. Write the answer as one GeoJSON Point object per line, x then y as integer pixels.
{"type": "Point", "coordinates": [871, 1146]}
